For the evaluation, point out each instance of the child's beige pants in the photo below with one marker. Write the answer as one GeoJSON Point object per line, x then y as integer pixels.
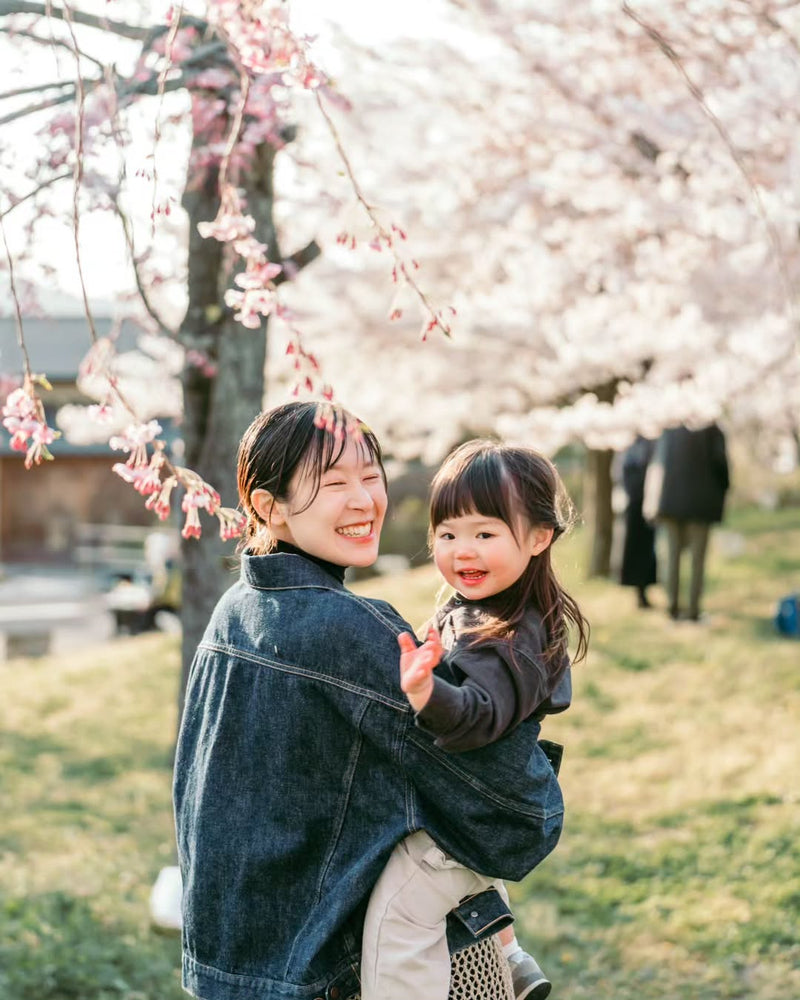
{"type": "Point", "coordinates": [404, 950]}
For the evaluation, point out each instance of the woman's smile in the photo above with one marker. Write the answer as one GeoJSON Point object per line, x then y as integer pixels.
{"type": "Point", "coordinates": [361, 530]}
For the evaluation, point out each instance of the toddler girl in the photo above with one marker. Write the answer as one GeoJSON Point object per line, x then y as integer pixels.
{"type": "Point", "coordinates": [501, 647]}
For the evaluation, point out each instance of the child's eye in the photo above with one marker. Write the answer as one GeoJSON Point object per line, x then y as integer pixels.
{"type": "Point", "coordinates": [372, 478]}
{"type": "Point", "coordinates": [485, 534]}
{"type": "Point", "coordinates": [334, 482]}
{"type": "Point", "coordinates": [447, 536]}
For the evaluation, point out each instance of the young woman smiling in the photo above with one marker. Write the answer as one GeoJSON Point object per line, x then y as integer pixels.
{"type": "Point", "coordinates": [299, 766]}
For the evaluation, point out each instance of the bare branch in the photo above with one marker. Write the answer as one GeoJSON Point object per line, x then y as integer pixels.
{"type": "Point", "coordinates": [49, 42]}
{"type": "Point", "coordinates": [400, 265]}
{"type": "Point", "coordinates": [137, 275]}
{"type": "Point", "coordinates": [15, 298]}
{"type": "Point", "coordinates": [31, 109]}
{"type": "Point", "coordinates": [58, 84]}
{"type": "Point", "coordinates": [299, 259]}
{"type": "Point", "coordinates": [80, 17]}
{"type": "Point", "coordinates": [32, 194]}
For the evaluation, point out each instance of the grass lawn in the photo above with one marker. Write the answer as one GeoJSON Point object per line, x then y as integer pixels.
{"type": "Point", "coordinates": [679, 870]}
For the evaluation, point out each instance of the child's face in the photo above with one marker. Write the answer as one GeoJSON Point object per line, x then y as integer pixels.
{"type": "Point", "coordinates": [479, 556]}
{"type": "Point", "coordinates": [343, 522]}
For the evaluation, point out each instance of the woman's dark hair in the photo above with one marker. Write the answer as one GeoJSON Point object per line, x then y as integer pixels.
{"type": "Point", "coordinates": [522, 488]}
{"type": "Point", "coordinates": [300, 435]}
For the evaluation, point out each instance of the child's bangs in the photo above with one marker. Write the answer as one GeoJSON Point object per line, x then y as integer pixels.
{"type": "Point", "coordinates": [481, 486]}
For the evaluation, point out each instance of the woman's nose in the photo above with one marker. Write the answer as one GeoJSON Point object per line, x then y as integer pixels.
{"type": "Point", "coordinates": [360, 497]}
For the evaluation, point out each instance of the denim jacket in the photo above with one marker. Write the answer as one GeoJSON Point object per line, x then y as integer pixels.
{"type": "Point", "coordinates": [298, 769]}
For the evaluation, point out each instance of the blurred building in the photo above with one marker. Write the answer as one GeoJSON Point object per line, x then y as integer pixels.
{"type": "Point", "coordinates": [73, 509]}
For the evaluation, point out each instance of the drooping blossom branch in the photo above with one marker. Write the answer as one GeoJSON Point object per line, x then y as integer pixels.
{"type": "Point", "coordinates": [387, 237]}
{"type": "Point", "coordinates": [772, 233]}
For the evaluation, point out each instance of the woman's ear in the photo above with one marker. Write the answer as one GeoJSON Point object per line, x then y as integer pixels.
{"type": "Point", "coordinates": [270, 510]}
{"type": "Point", "coordinates": [540, 539]}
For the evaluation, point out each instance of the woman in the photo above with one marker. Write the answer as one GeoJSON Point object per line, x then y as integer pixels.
{"type": "Point", "coordinates": [299, 766]}
{"type": "Point", "coordinates": [639, 550]}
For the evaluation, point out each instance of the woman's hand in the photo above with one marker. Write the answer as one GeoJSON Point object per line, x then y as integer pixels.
{"type": "Point", "coordinates": [416, 667]}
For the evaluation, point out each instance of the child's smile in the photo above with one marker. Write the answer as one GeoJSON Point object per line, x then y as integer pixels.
{"type": "Point", "coordinates": [479, 556]}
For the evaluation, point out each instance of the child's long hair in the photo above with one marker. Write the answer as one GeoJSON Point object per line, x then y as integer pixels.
{"type": "Point", "coordinates": [281, 441]}
{"type": "Point", "coordinates": [522, 488]}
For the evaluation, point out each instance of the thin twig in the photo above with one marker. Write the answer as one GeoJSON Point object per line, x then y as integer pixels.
{"type": "Point", "coordinates": [17, 307]}
{"type": "Point", "coordinates": [162, 81]}
{"type": "Point", "coordinates": [774, 239]}
{"type": "Point", "coordinates": [52, 42]}
{"type": "Point", "coordinates": [140, 287]}
{"type": "Point", "coordinates": [79, 17]}
{"type": "Point", "coordinates": [376, 222]}
{"type": "Point", "coordinates": [79, 122]}
{"type": "Point", "coordinates": [56, 85]}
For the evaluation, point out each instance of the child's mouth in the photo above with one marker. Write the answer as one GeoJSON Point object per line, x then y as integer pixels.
{"type": "Point", "coordinates": [472, 576]}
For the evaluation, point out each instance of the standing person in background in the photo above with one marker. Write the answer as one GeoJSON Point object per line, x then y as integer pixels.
{"type": "Point", "coordinates": [695, 480]}
{"type": "Point", "coordinates": [639, 550]}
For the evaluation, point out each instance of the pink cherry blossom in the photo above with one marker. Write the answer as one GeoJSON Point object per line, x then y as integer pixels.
{"type": "Point", "coordinates": [159, 502]}
{"type": "Point", "coordinates": [135, 439]}
{"type": "Point", "coordinates": [191, 527]}
{"type": "Point", "coordinates": [231, 523]}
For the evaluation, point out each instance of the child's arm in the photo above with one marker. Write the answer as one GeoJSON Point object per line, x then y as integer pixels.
{"type": "Point", "coordinates": [416, 667]}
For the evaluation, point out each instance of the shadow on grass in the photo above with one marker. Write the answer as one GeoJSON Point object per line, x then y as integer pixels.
{"type": "Point", "coordinates": [54, 947]}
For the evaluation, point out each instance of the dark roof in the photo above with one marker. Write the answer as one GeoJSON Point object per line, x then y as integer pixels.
{"type": "Point", "coordinates": [56, 345]}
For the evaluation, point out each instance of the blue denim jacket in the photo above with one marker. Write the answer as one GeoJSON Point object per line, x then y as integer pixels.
{"type": "Point", "coordinates": [298, 769]}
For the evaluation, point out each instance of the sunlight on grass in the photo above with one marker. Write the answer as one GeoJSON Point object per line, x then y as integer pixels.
{"type": "Point", "coordinates": [677, 874]}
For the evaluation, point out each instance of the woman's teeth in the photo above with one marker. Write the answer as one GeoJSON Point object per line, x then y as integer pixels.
{"type": "Point", "coordinates": [355, 530]}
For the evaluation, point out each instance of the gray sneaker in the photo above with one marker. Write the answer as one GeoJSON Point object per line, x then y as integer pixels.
{"type": "Point", "coordinates": [530, 983]}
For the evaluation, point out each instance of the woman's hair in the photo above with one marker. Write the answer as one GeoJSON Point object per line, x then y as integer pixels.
{"type": "Point", "coordinates": [307, 436]}
{"type": "Point", "coordinates": [522, 488]}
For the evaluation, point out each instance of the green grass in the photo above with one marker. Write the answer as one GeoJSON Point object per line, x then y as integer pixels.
{"type": "Point", "coordinates": [678, 873]}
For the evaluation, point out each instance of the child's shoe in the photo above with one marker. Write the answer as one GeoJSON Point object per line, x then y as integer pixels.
{"type": "Point", "coordinates": [530, 983]}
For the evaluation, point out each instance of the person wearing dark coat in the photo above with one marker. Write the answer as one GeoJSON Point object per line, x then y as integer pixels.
{"type": "Point", "coordinates": [639, 550]}
{"type": "Point", "coordinates": [695, 481]}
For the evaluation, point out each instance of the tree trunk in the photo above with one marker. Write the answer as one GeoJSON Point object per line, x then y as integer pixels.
{"type": "Point", "coordinates": [598, 510]}
{"type": "Point", "coordinates": [218, 409]}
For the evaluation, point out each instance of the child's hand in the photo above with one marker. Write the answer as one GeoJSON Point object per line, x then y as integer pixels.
{"type": "Point", "coordinates": [416, 667]}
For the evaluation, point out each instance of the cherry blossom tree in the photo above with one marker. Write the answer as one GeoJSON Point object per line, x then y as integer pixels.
{"type": "Point", "coordinates": [233, 71]}
{"type": "Point", "coordinates": [611, 191]}
{"type": "Point", "coordinates": [605, 192]}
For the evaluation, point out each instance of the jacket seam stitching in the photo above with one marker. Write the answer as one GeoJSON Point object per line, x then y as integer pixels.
{"type": "Point", "coordinates": [343, 592]}
{"type": "Point", "coordinates": [352, 764]}
{"type": "Point", "coordinates": [483, 789]}
{"type": "Point", "coordinates": [303, 672]}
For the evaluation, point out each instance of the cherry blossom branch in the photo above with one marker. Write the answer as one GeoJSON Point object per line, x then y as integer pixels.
{"type": "Point", "coordinates": [772, 233]}
{"type": "Point", "coordinates": [388, 236]}
{"type": "Point", "coordinates": [23, 412]}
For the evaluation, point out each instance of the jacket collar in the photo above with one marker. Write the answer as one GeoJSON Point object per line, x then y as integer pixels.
{"type": "Point", "coordinates": [281, 570]}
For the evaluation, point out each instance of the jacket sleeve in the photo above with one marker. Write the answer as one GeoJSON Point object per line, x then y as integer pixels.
{"type": "Point", "coordinates": [497, 809]}
{"type": "Point", "coordinates": [496, 695]}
